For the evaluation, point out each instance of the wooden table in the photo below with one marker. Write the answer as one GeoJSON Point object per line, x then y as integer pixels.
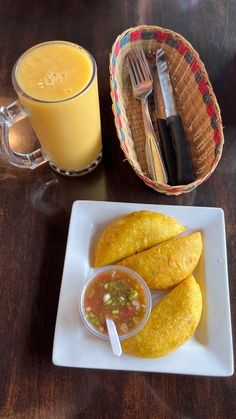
{"type": "Point", "coordinates": [35, 210]}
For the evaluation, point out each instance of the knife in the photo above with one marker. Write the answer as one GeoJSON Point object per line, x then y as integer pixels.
{"type": "Point", "coordinates": [184, 166]}
{"type": "Point", "coordinates": [165, 137]}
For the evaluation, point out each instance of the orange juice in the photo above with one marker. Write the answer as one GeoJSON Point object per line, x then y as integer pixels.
{"type": "Point", "coordinates": [56, 83]}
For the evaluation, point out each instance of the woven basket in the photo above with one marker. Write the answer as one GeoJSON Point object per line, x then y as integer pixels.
{"type": "Point", "coordinates": [195, 100]}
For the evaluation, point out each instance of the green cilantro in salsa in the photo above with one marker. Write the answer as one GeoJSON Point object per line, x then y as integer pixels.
{"type": "Point", "coordinates": [116, 295]}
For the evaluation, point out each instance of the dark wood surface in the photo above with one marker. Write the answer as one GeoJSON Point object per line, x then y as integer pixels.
{"type": "Point", "coordinates": [35, 209]}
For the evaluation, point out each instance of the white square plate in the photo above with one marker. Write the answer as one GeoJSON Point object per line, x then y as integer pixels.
{"type": "Point", "coordinates": [210, 350]}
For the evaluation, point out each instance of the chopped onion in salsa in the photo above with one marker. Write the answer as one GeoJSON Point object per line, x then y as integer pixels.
{"type": "Point", "coordinates": [117, 295]}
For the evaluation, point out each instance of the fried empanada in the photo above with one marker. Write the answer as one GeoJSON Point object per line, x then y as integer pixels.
{"type": "Point", "coordinates": [171, 323]}
{"type": "Point", "coordinates": [168, 263]}
{"type": "Point", "coordinates": [134, 233]}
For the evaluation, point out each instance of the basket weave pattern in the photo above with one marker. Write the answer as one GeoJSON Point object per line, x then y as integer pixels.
{"type": "Point", "coordinates": [195, 100]}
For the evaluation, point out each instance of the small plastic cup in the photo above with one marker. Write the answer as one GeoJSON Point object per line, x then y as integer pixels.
{"type": "Point", "coordinates": [144, 287]}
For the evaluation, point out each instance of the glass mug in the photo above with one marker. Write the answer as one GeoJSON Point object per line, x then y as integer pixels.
{"type": "Point", "coordinates": [56, 84]}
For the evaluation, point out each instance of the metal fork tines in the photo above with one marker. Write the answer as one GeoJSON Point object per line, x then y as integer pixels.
{"type": "Point", "coordinates": [142, 85]}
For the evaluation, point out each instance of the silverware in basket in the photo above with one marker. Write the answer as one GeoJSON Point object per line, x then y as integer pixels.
{"type": "Point", "coordinates": [142, 85]}
{"type": "Point", "coordinates": [185, 174]}
{"type": "Point", "coordinates": [163, 133]}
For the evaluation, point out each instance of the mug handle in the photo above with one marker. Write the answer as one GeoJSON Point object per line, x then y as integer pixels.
{"type": "Point", "coordinates": [9, 115]}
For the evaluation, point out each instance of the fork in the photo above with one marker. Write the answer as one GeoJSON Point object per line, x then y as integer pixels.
{"type": "Point", "coordinates": [142, 85]}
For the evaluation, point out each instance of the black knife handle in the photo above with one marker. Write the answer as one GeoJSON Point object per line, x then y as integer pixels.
{"type": "Point", "coordinates": [168, 151]}
{"type": "Point", "coordinates": [185, 172]}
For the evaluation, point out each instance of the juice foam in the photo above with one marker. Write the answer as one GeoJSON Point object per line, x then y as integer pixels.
{"type": "Point", "coordinates": [54, 72]}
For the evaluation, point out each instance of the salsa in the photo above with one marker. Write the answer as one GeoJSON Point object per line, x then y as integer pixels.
{"type": "Point", "coordinates": [117, 295]}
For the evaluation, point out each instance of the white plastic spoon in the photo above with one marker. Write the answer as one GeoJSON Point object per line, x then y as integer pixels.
{"type": "Point", "coordinates": [114, 338]}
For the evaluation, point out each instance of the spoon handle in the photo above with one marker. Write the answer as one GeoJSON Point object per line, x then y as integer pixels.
{"type": "Point", "coordinates": [114, 338]}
